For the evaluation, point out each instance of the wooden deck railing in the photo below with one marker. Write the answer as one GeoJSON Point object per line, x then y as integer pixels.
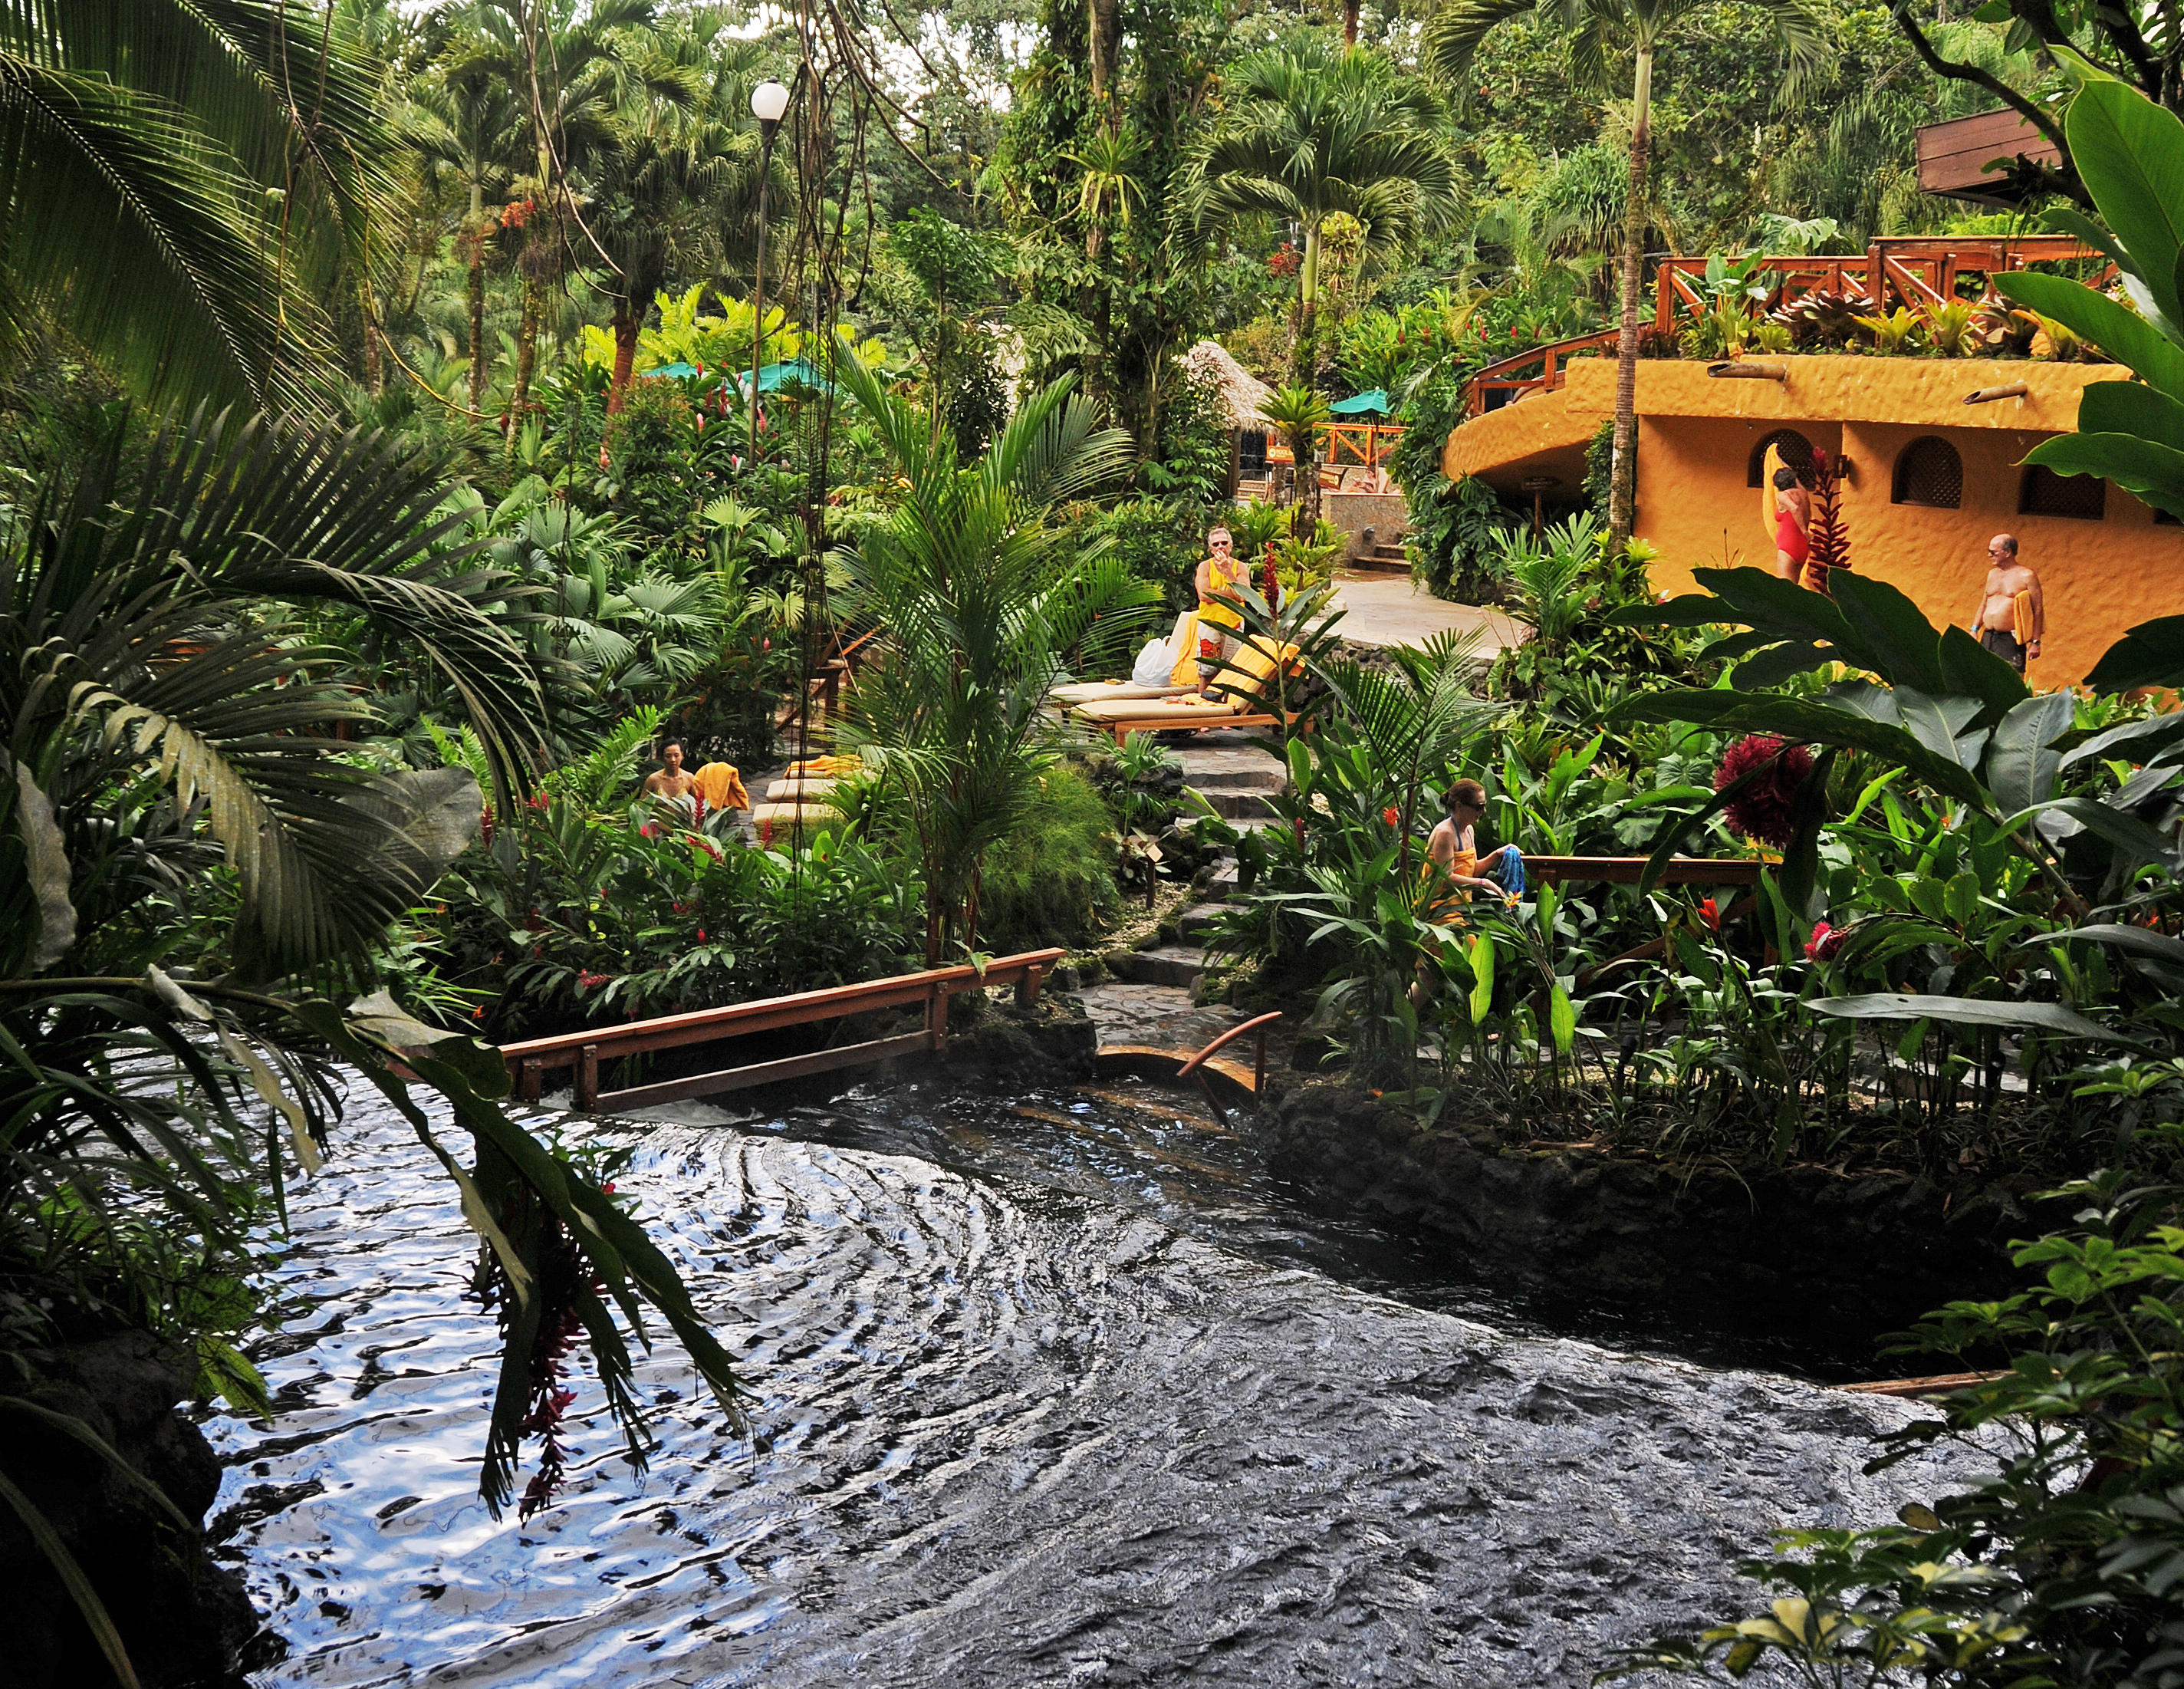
{"type": "Point", "coordinates": [528, 1063]}
{"type": "Point", "coordinates": [1920, 271]}
{"type": "Point", "coordinates": [1365, 443]}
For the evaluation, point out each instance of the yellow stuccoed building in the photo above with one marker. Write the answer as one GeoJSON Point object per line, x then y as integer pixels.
{"type": "Point", "coordinates": [1928, 479]}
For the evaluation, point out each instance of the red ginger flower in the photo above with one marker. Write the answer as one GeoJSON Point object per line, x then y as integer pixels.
{"type": "Point", "coordinates": [1826, 943]}
{"type": "Point", "coordinates": [1762, 810]}
{"type": "Point", "coordinates": [1392, 815]}
{"type": "Point", "coordinates": [1710, 915]}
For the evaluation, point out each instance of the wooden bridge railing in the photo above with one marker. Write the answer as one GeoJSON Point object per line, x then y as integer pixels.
{"type": "Point", "coordinates": [529, 1061]}
{"type": "Point", "coordinates": [1920, 271]}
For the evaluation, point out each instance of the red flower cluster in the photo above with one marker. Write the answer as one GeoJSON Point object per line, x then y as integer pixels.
{"type": "Point", "coordinates": [1762, 810]}
{"type": "Point", "coordinates": [516, 215]}
{"type": "Point", "coordinates": [485, 824]}
{"type": "Point", "coordinates": [1710, 915]}
{"type": "Point", "coordinates": [588, 982]}
{"type": "Point", "coordinates": [1392, 815]}
{"type": "Point", "coordinates": [1286, 261]}
{"type": "Point", "coordinates": [1826, 943]}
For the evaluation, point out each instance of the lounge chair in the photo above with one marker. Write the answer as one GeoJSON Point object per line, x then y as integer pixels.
{"type": "Point", "coordinates": [1245, 676]}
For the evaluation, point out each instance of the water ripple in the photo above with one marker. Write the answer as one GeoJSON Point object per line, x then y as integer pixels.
{"type": "Point", "coordinates": [1012, 1431]}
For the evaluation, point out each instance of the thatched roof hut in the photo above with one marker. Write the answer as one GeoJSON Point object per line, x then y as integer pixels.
{"type": "Point", "coordinates": [1241, 391]}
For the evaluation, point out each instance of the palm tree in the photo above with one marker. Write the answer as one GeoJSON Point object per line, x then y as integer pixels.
{"type": "Point", "coordinates": [466, 120]}
{"type": "Point", "coordinates": [1595, 29]}
{"type": "Point", "coordinates": [1310, 132]}
{"type": "Point", "coordinates": [171, 786]}
{"type": "Point", "coordinates": [978, 598]}
{"type": "Point", "coordinates": [165, 202]}
{"type": "Point", "coordinates": [661, 179]}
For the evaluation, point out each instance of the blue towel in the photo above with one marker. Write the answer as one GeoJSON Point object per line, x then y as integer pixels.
{"type": "Point", "coordinates": [1509, 872]}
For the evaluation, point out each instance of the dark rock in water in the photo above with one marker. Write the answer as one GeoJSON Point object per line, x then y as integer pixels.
{"type": "Point", "coordinates": [184, 1620]}
{"type": "Point", "coordinates": [1052, 1040]}
{"type": "Point", "coordinates": [1847, 1259]}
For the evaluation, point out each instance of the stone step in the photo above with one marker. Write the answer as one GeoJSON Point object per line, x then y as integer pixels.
{"type": "Point", "coordinates": [1177, 965]}
{"type": "Point", "coordinates": [1268, 779]}
{"type": "Point", "coordinates": [1238, 805]}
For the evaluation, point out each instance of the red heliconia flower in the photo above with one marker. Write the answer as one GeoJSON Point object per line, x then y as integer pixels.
{"type": "Point", "coordinates": [1710, 915]}
{"type": "Point", "coordinates": [1392, 815]}
{"type": "Point", "coordinates": [1762, 810]}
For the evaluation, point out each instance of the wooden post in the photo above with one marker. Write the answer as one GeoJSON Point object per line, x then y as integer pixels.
{"type": "Point", "coordinates": [588, 1077]}
{"type": "Point", "coordinates": [532, 1079]}
{"type": "Point", "coordinates": [936, 1018]}
{"type": "Point", "coordinates": [1028, 987]}
{"type": "Point", "coordinates": [1259, 1069]}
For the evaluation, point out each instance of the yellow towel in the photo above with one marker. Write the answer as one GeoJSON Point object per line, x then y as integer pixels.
{"type": "Point", "coordinates": [720, 786]}
{"type": "Point", "coordinates": [2027, 629]}
{"type": "Point", "coordinates": [828, 764]}
{"type": "Point", "coordinates": [1185, 671]}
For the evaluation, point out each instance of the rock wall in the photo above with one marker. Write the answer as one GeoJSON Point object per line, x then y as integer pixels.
{"type": "Point", "coordinates": [1756, 1250]}
{"type": "Point", "coordinates": [185, 1621]}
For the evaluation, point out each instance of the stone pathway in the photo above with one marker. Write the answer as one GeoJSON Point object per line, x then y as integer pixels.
{"type": "Point", "coordinates": [1394, 610]}
{"type": "Point", "coordinates": [1149, 1002]}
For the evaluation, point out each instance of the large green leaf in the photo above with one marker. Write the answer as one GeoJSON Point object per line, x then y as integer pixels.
{"type": "Point", "coordinates": [2134, 741]}
{"type": "Point", "coordinates": [1970, 668]}
{"type": "Point", "coordinates": [2154, 471]}
{"type": "Point", "coordinates": [2021, 769]}
{"type": "Point", "coordinates": [1969, 1011]}
{"type": "Point", "coordinates": [2151, 653]}
{"type": "Point", "coordinates": [2130, 153]}
{"type": "Point", "coordinates": [1890, 633]}
{"type": "Point", "coordinates": [2143, 939]}
{"type": "Point", "coordinates": [1810, 722]}
{"type": "Point", "coordinates": [2129, 408]}
{"type": "Point", "coordinates": [2124, 832]}
{"type": "Point", "coordinates": [2121, 333]}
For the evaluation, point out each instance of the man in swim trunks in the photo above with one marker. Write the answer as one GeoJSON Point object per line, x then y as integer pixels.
{"type": "Point", "coordinates": [2011, 614]}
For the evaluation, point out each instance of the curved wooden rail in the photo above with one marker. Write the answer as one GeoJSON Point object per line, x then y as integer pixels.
{"type": "Point", "coordinates": [1259, 1068]}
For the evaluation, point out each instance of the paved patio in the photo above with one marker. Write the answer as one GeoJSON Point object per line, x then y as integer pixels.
{"type": "Point", "coordinates": [1388, 610]}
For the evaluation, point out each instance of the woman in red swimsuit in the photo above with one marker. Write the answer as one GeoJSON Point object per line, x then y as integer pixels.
{"type": "Point", "coordinates": [1793, 513]}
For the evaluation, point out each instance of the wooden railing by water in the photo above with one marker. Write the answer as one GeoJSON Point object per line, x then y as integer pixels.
{"type": "Point", "coordinates": [528, 1063]}
{"type": "Point", "coordinates": [1917, 271]}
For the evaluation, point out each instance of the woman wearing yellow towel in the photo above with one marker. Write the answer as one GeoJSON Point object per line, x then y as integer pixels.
{"type": "Point", "coordinates": [2011, 616]}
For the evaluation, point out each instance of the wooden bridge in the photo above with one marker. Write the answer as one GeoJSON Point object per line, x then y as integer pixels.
{"type": "Point", "coordinates": [529, 1062]}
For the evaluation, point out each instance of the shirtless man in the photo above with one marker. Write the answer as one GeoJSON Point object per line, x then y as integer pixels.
{"type": "Point", "coordinates": [1994, 625]}
{"type": "Point", "coordinates": [671, 782]}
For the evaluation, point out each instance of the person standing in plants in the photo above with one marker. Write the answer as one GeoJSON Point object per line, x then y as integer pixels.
{"type": "Point", "coordinates": [1793, 518]}
{"type": "Point", "coordinates": [2011, 616]}
{"type": "Point", "coordinates": [671, 784]}
{"type": "Point", "coordinates": [1220, 612]}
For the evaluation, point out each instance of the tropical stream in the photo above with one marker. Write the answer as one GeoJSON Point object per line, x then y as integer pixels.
{"type": "Point", "coordinates": [1055, 1389]}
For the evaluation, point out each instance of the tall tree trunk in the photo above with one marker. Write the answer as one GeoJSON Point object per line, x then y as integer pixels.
{"type": "Point", "coordinates": [475, 236]}
{"type": "Point", "coordinates": [627, 322]}
{"type": "Point", "coordinates": [527, 354]}
{"type": "Point", "coordinates": [1106, 45]}
{"type": "Point", "coordinates": [1350, 23]}
{"type": "Point", "coordinates": [1623, 477]}
{"type": "Point", "coordinates": [1304, 356]}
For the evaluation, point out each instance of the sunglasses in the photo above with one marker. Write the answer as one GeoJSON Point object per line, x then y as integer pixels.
{"type": "Point", "coordinates": [1223, 544]}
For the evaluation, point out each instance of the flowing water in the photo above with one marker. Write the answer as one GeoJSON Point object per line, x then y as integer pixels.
{"type": "Point", "coordinates": [1049, 1390]}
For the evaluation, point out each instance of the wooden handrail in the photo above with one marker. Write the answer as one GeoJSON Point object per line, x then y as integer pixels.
{"type": "Point", "coordinates": [530, 1060]}
{"type": "Point", "coordinates": [1629, 870]}
{"type": "Point", "coordinates": [1259, 1024]}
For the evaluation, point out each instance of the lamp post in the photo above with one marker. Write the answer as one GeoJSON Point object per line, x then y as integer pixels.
{"type": "Point", "coordinates": [769, 103]}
